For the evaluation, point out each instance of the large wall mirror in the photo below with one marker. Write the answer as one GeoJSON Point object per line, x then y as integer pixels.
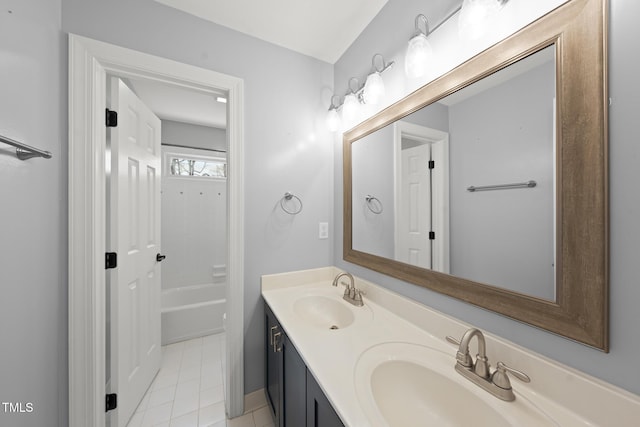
{"type": "Point", "coordinates": [489, 184]}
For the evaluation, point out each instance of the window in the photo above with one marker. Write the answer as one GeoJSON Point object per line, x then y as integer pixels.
{"type": "Point", "coordinates": [193, 167]}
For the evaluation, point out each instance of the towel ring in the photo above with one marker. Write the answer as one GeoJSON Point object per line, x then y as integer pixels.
{"type": "Point", "coordinates": [287, 197]}
{"type": "Point", "coordinates": [376, 208]}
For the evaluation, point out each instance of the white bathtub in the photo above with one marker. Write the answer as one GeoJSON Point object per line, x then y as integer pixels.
{"type": "Point", "coordinates": [192, 311]}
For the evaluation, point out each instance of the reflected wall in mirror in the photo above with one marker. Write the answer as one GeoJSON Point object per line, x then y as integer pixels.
{"type": "Point", "coordinates": [531, 109]}
{"type": "Point", "coordinates": [498, 130]}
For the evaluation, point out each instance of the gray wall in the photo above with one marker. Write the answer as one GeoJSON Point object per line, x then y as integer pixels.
{"type": "Point", "coordinates": [33, 214]}
{"type": "Point", "coordinates": [372, 172]}
{"type": "Point", "coordinates": [499, 136]}
{"type": "Point", "coordinates": [195, 136]}
{"type": "Point", "coordinates": [619, 366]}
{"type": "Point", "coordinates": [434, 116]}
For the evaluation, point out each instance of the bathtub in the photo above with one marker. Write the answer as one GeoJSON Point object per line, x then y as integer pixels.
{"type": "Point", "coordinates": [192, 312]}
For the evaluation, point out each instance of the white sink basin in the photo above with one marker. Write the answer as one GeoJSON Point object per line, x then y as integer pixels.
{"type": "Point", "coordinates": [404, 385]}
{"type": "Point", "coordinates": [324, 312]}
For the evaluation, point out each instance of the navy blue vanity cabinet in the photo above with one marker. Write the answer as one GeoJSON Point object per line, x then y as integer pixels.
{"type": "Point", "coordinates": [295, 386]}
{"type": "Point", "coordinates": [273, 366]}
{"type": "Point", "coordinates": [286, 376]}
{"type": "Point", "coordinates": [320, 413]}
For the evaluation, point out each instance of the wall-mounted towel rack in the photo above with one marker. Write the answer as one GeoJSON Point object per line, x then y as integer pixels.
{"type": "Point", "coordinates": [287, 197]}
{"type": "Point", "coordinates": [374, 204]}
{"type": "Point", "coordinates": [24, 151]}
{"type": "Point", "coordinates": [528, 184]}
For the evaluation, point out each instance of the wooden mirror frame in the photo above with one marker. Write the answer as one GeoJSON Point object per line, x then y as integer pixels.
{"type": "Point", "coordinates": [580, 312]}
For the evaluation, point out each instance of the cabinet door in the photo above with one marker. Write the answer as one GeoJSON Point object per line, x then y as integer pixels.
{"type": "Point", "coordinates": [294, 386]}
{"type": "Point", "coordinates": [273, 365]}
{"type": "Point", "coordinates": [320, 413]}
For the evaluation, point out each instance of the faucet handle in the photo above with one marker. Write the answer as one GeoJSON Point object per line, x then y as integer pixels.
{"type": "Point", "coordinates": [357, 297]}
{"type": "Point", "coordinates": [500, 378]}
{"type": "Point", "coordinates": [348, 290]}
{"type": "Point", "coordinates": [359, 292]}
{"type": "Point", "coordinates": [452, 340]}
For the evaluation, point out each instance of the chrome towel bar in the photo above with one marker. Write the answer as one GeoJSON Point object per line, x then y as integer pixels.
{"type": "Point", "coordinates": [528, 184]}
{"type": "Point", "coordinates": [24, 151]}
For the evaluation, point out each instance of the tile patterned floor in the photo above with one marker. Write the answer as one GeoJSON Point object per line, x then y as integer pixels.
{"type": "Point", "coordinates": [189, 390]}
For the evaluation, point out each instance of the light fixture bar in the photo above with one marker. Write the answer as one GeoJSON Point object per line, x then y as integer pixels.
{"type": "Point", "coordinates": [450, 15]}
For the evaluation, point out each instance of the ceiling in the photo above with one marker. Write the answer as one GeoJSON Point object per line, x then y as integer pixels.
{"type": "Point", "coordinates": [322, 29]}
{"type": "Point", "coordinates": [181, 104]}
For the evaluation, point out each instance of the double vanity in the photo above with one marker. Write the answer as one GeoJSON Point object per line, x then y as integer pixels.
{"type": "Point", "coordinates": [394, 362]}
{"type": "Point", "coordinates": [536, 252]}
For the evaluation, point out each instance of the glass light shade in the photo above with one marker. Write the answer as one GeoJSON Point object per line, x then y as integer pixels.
{"type": "Point", "coordinates": [374, 89]}
{"type": "Point", "coordinates": [472, 22]}
{"type": "Point", "coordinates": [418, 54]}
{"type": "Point", "coordinates": [333, 120]}
{"type": "Point", "coordinates": [350, 110]}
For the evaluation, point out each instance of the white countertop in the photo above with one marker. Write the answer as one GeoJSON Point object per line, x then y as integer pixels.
{"type": "Point", "coordinates": [569, 397]}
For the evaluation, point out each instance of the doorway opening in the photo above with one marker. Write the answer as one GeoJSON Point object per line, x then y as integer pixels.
{"type": "Point", "coordinates": [166, 220]}
{"type": "Point", "coordinates": [90, 64]}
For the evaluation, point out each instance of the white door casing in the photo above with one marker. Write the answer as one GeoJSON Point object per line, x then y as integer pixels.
{"type": "Point", "coordinates": [89, 63]}
{"type": "Point", "coordinates": [438, 143]}
{"type": "Point", "coordinates": [134, 234]}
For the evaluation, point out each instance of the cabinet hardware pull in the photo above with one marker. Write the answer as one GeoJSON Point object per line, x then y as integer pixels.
{"type": "Point", "coordinates": [277, 335]}
{"type": "Point", "coordinates": [271, 334]}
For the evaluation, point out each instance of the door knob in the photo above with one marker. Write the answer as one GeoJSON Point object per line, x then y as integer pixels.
{"type": "Point", "coordinates": [160, 257]}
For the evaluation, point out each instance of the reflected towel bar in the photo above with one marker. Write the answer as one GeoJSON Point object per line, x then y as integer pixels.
{"type": "Point", "coordinates": [24, 151]}
{"type": "Point", "coordinates": [528, 184]}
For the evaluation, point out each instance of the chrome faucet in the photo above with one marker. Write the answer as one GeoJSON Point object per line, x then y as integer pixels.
{"type": "Point", "coordinates": [351, 294]}
{"type": "Point", "coordinates": [496, 383]}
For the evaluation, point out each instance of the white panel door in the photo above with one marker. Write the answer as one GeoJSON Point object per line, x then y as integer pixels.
{"type": "Point", "coordinates": [414, 222]}
{"type": "Point", "coordinates": [135, 235]}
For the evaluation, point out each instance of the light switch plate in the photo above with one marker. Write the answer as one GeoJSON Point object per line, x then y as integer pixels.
{"type": "Point", "coordinates": [323, 230]}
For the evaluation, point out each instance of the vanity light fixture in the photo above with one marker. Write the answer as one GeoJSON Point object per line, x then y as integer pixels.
{"type": "Point", "coordinates": [351, 105]}
{"type": "Point", "coordinates": [371, 92]}
{"type": "Point", "coordinates": [221, 99]}
{"type": "Point", "coordinates": [333, 118]}
{"type": "Point", "coordinates": [472, 21]}
{"type": "Point", "coordinates": [419, 51]}
{"type": "Point", "coordinates": [374, 91]}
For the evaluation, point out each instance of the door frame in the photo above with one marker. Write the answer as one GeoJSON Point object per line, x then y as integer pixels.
{"type": "Point", "coordinates": [89, 63]}
{"type": "Point", "coordinates": [440, 185]}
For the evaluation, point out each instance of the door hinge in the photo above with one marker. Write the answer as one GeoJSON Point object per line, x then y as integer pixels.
{"type": "Point", "coordinates": [111, 118]}
{"type": "Point", "coordinates": [432, 235]}
{"type": "Point", "coordinates": [111, 260]}
{"type": "Point", "coordinates": [111, 402]}
{"type": "Point", "coordinates": [432, 164]}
